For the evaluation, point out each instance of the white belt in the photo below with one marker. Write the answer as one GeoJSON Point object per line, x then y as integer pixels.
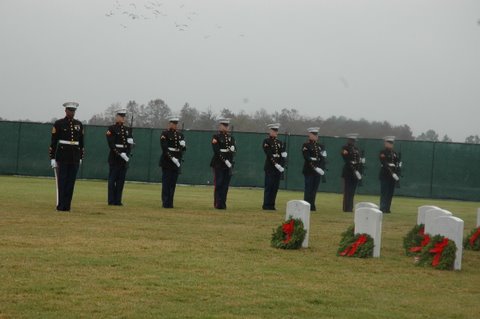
{"type": "Point", "coordinates": [276, 155]}
{"type": "Point", "coordinates": [119, 145]}
{"type": "Point", "coordinates": [313, 158]}
{"type": "Point", "coordinates": [224, 150]}
{"type": "Point", "coordinates": [173, 149]}
{"type": "Point", "coordinates": [68, 142]}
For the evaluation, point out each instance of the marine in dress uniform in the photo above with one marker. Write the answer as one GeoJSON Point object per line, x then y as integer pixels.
{"type": "Point", "coordinates": [389, 171]}
{"type": "Point", "coordinates": [120, 142]}
{"type": "Point", "coordinates": [173, 146]}
{"type": "Point", "coordinates": [314, 155]}
{"type": "Point", "coordinates": [351, 172]}
{"type": "Point", "coordinates": [224, 149]}
{"type": "Point", "coordinates": [274, 166]}
{"type": "Point", "coordinates": [66, 154]}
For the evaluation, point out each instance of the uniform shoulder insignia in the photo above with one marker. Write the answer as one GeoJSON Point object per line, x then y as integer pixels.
{"type": "Point", "coordinates": [109, 133]}
{"type": "Point", "coordinates": [304, 148]}
{"type": "Point", "coordinates": [162, 137]}
{"type": "Point", "coordinates": [382, 155]}
{"type": "Point", "coordinates": [265, 145]}
{"type": "Point", "coordinates": [54, 130]}
{"type": "Point", "coordinates": [214, 141]}
{"type": "Point", "coordinates": [345, 152]}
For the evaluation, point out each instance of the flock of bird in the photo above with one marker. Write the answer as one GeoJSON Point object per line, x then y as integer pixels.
{"type": "Point", "coordinates": [181, 17]}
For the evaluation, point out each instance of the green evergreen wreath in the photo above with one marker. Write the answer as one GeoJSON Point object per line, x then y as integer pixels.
{"type": "Point", "coordinates": [473, 240]}
{"type": "Point", "coordinates": [413, 238]}
{"type": "Point", "coordinates": [359, 245]}
{"type": "Point", "coordinates": [443, 260]}
{"type": "Point", "coordinates": [289, 235]}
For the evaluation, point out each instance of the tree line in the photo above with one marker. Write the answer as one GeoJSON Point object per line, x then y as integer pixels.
{"type": "Point", "coordinates": [154, 114]}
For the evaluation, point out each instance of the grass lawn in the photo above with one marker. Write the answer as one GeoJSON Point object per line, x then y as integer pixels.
{"type": "Point", "coordinates": [143, 261]}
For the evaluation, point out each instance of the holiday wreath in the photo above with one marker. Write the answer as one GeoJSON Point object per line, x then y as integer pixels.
{"type": "Point", "coordinates": [415, 240]}
{"type": "Point", "coordinates": [473, 240]}
{"type": "Point", "coordinates": [289, 235]}
{"type": "Point", "coordinates": [355, 245]}
{"type": "Point", "coordinates": [439, 253]}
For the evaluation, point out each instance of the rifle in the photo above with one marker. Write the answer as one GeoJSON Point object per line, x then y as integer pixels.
{"type": "Point", "coordinates": [362, 167]}
{"type": "Point", "coordinates": [284, 160]}
{"type": "Point", "coordinates": [230, 170]}
{"type": "Point", "coordinates": [323, 165]}
{"type": "Point", "coordinates": [398, 167]}
{"type": "Point", "coordinates": [131, 133]}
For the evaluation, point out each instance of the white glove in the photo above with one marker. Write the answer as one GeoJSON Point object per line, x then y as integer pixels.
{"type": "Point", "coordinates": [53, 163]}
{"type": "Point", "coordinates": [363, 160]}
{"type": "Point", "coordinates": [280, 168]}
{"type": "Point", "coordinates": [395, 177]}
{"type": "Point", "coordinates": [176, 161]}
{"type": "Point", "coordinates": [227, 162]}
{"type": "Point", "coordinates": [400, 164]}
{"type": "Point", "coordinates": [391, 164]}
{"type": "Point", "coordinates": [232, 148]}
{"type": "Point", "coordinates": [130, 141]}
{"type": "Point", "coordinates": [319, 171]}
{"type": "Point", "coordinates": [182, 143]}
{"type": "Point", "coordinates": [284, 154]}
{"type": "Point", "coordinates": [359, 176]}
{"type": "Point", "coordinates": [324, 153]}
{"type": "Point", "coordinates": [124, 156]}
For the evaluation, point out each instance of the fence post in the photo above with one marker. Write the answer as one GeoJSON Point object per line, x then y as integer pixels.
{"type": "Point", "coordinates": [18, 146]}
{"type": "Point", "coordinates": [431, 169]}
{"type": "Point", "coordinates": [150, 155]}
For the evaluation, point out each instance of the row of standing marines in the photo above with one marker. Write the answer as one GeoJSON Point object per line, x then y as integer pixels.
{"type": "Point", "coordinates": [67, 149]}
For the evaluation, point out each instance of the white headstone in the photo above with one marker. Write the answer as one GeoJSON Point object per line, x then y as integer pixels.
{"type": "Point", "coordinates": [431, 215]}
{"type": "Point", "coordinates": [421, 213]}
{"type": "Point", "coordinates": [452, 228]}
{"type": "Point", "coordinates": [369, 221]}
{"type": "Point", "coordinates": [300, 209]}
{"type": "Point", "coordinates": [365, 205]}
{"type": "Point", "coordinates": [478, 217]}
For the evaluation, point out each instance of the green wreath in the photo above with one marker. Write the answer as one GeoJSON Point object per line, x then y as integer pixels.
{"type": "Point", "coordinates": [355, 245]}
{"type": "Point", "coordinates": [443, 258]}
{"type": "Point", "coordinates": [289, 235]}
{"type": "Point", "coordinates": [413, 238]}
{"type": "Point", "coordinates": [473, 240]}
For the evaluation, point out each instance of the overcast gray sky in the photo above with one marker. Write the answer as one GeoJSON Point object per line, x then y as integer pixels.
{"type": "Point", "coordinates": [406, 61]}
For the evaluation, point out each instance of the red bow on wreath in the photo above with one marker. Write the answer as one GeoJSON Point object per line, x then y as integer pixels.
{"type": "Point", "coordinates": [425, 241]}
{"type": "Point", "coordinates": [474, 237]}
{"type": "Point", "coordinates": [437, 250]}
{"type": "Point", "coordinates": [288, 230]}
{"type": "Point", "coordinates": [350, 250]}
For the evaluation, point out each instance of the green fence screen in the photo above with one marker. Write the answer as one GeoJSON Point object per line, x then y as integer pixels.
{"type": "Point", "coordinates": [430, 170]}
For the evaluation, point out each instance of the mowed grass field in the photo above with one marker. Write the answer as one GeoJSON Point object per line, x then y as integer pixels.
{"type": "Point", "coordinates": [143, 261]}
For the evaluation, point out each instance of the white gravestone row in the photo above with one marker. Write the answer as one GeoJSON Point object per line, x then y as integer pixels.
{"type": "Point", "coordinates": [442, 222]}
{"type": "Point", "coordinates": [368, 220]}
{"type": "Point", "coordinates": [300, 209]}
